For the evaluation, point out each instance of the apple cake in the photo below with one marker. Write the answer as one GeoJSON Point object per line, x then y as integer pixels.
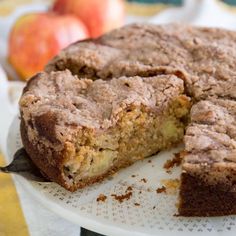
{"type": "Point", "coordinates": [77, 131]}
{"type": "Point", "coordinates": [104, 103]}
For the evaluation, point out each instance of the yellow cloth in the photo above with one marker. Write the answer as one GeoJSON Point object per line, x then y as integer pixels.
{"type": "Point", "coordinates": [12, 221]}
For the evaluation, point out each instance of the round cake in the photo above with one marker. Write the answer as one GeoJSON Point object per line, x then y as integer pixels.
{"type": "Point", "coordinates": [102, 104]}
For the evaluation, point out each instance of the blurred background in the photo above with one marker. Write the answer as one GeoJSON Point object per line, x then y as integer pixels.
{"type": "Point", "coordinates": [34, 31]}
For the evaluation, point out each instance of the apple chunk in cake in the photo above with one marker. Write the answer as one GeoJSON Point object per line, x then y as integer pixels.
{"type": "Point", "coordinates": [77, 131]}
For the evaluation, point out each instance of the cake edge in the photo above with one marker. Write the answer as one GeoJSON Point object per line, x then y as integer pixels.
{"type": "Point", "coordinates": [198, 198]}
{"type": "Point", "coordinates": [55, 175]}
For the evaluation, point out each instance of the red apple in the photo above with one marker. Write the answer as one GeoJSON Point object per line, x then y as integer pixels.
{"type": "Point", "coordinates": [36, 38]}
{"type": "Point", "coordinates": [99, 16]}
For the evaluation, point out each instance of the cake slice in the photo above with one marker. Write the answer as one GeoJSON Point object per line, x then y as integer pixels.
{"type": "Point", "coordinates": [77, 131]}
{"type": "Point", "coordinates": [208, 182]}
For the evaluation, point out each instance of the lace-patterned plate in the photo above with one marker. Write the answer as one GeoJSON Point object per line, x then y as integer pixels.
{"type": "Point", "coordinates": [145, 213]}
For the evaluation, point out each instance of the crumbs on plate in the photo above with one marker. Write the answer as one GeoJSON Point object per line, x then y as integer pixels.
{"type": "Point", "coordinates": [101, 198]}
{"type": "Point", "coordinates": [175, 161]}
{"type": "Point", "coordinates": [161, 190]}
{"type": "Point", "coordinates": [123, 197]}
{"type": "Point", "coordinates": [143, 180]}
{"type": "Point", "coordinates": [171, 185]}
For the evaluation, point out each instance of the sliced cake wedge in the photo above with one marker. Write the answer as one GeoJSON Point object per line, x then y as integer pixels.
{"type": "Point", "coordinates": [77, 131]}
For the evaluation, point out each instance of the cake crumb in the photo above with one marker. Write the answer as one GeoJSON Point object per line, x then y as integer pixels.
{"type": "Point", "coordinates": [136, 204]}
{"type": "Point", "coordinates": [121, 198]}
{"type": "Point", "coordinates": [176, 215]}
{"type": "Point", "coordinates": [140, 192]}
{"type": "Point", "coordinates": [172, 185]}
{"type": "Point", "coordinates": [154, 207]}
{"type": "Point", "coordinates": [129, 189]}
{"type": "Point", "coordinates": [175, 161]}
{"type": "Point", "coordinates": [161, 190]}
{"type": "Point", "coordinates": [149, 161]}
{"type": "Point", "coordinates": [177, 204]}
{"type": "Point", "coordinates": [126, 196]}
{"type": "Point", "coordinates": [133, 176]}
{"type": "Point", "coordinates": [143, 180]}
{"type": "Point", "coordinates": [101, 198]}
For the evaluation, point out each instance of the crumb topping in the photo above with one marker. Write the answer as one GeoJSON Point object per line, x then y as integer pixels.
{"type": "Point", "coordinates": [72, 103]}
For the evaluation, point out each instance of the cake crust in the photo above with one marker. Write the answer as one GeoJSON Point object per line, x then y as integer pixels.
{"type": "Point", "coordinates": [203, 55]}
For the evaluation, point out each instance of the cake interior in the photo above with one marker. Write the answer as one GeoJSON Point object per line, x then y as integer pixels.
{"type": "Point", "coordinates": [138, 133]}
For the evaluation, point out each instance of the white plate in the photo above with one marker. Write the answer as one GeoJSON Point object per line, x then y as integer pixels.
{"type": "Point", "coordinates": [114, 218]}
